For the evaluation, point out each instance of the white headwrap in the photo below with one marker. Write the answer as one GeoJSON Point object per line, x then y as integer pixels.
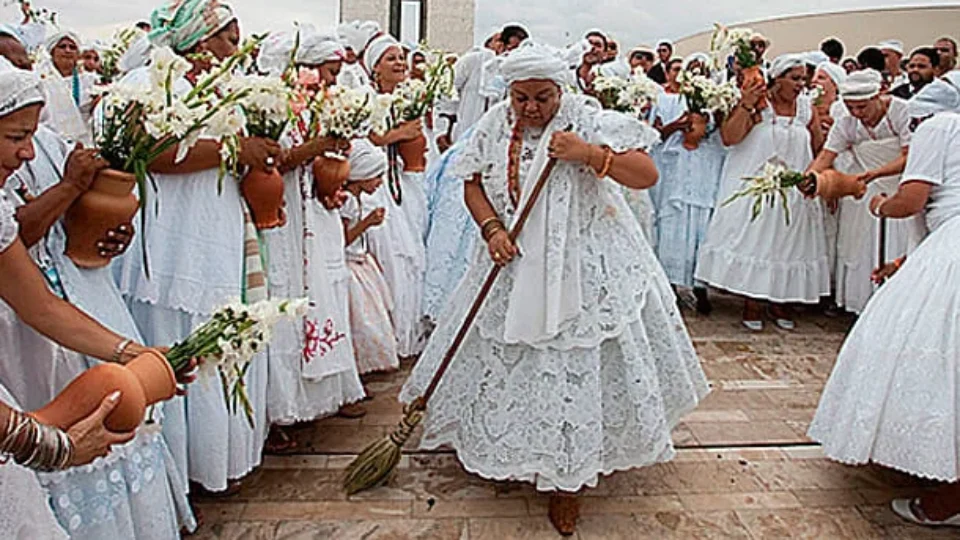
{"type": "Point", "coordinates": [319, 48]}
{"type": "Point", "coordinates": [941, 95]}
{"type": "Point", "coordinates": [366, 161]}
{"type": "Point", "coordinates": [703, 58]}
{"type": "Point", "coordinates": [815, 58]}
{"type": "Point", "coordinates": [894, 45]}
{"type": "Point", "coordinates": [136, 55]}
{"type": "Point", "coordinates": [836, 73]}
{"type": "Point", "coordinates": [357, 35]}
{"type": "Point", "coordinates": [18, 88]}
{"type": "Point", "coordinates": [533, 60]}
{"type": "Point", "coordinates": [861, 85]}
{"type": "Point", "coordinates": [376, 49]}
{"type": "Point", "coordinates": [275, 52]}
{"type": "Point", "coordinates": [12, 31]}
{"type": "Point", "coordinates": [52, 41]}
{"type": "Point", "coordinates": [784, 63]}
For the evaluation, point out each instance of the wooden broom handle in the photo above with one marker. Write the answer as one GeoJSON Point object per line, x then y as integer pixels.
{"type": "Point", "coordinates": [421, 402]}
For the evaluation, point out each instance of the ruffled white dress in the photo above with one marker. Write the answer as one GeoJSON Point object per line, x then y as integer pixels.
{"type": "Point", "coordinates": [560, 396]}
{"type": "Point", "coordinates": [371, 304]}
{"type": "Point", "coordinates": [195, 242]}
{"type": "Point", "coordinates": [313, 370]}
{"type": "Point", "coordinates": [685, 195]}
{"type": "Point", "coordinates": [398, 246]}
{"type": "Point", "coordinates": [768, 259]}
{"type": "Point", "coordinates": [860, 149]}
{"type": "Point", "coordinates": [26, 510]}
{"type": "Point", "coordinates": [893, 397]}
{"type": "Point", "coordinates": [137, 490]}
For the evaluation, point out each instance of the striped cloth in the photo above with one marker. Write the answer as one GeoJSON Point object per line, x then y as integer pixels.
{"type": "Point", "coordinates": [254, 276]}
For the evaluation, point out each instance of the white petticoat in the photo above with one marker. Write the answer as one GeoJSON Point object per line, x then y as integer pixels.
{"type": "Point", "coordinates": [893, 395]}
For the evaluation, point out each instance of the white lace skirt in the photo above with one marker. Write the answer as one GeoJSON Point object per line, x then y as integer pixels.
{"type": "Point", "coordinates": [208, 441]}
{"type": "Point", "coordinates": [370, 305]}
{"type": "Point", "coordinates": [562, 418]}
{"type": "Point", "coordinates": [893, 397]}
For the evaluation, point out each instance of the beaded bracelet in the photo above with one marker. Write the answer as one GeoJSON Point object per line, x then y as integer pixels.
{"type": "Point", "coordinates": [607, 162]}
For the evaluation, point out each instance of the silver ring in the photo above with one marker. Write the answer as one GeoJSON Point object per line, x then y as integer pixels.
{"type": "Point", "coordinates": [270, 161]}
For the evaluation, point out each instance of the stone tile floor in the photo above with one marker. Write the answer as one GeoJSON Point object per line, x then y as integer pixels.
{"type": "Point", "coordinates": [745, 468]}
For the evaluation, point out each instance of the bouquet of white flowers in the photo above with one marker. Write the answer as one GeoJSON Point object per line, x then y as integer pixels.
{"type": "Point", "coordinates": [773, 183]}
{"type": "Point", "coordinates": [265, 103]}
{"type": "Point", "coordinates": [350, 113]}
{"type": "Point", "coordinates": [704, 96]}
{"type": "Point", "coordinates": [413, 98]}
{"type": "Point", "coordinates": [226, 344]}
{"type": "Point", "coordinates": [630, 96]}
{"type": "Point", "coordinates": [736, 42]}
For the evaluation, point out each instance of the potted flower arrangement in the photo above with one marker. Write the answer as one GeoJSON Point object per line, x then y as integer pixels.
{"type": "Point", "coordinates": [776, 179]}
{"type": "Point", "coordinates": [736, 41]}
{"type": "Point", "coordinates": [414, 98]}
{"type": "Point", "coordinates": [137, 122]}
{"type": "Point", "coordinates": [632, 96]}
{"type": "Point", "coordinates": [224, 345]}
{"type": "Point", "coordinates": [344, 113]}
{"type": "Point", "coordinates": [704, 97]}
{"type": "Point", "coordinates": [267, 112]}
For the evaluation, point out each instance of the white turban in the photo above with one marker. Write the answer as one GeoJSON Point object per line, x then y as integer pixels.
{"type": "Point", "coordinates": [533, 60]}
{"type": "Point", "coordinates": [894, 45]}
{"type": "Point", "coordinates": [12, 31]}
{"type": "Point", "coordinates": [357, 35]}
{"type": "Point", "coordinates": [376, 49]}
{"type": "Point", "coordinates": [136, 55]}
{"type": "Point", "coordinates": [784, 63]}
{"type": "Point", "coordinates": [53, 40]}
{"type": "Point", "coordinates": [836, 73]}
{"type": "Point", "coordinates": [366, 161]}
{"type": "Point", "coordinates": [815, 58]}
{"type": "Point", "coordinates": [697, 57]}
{"type": "Point", "coordinates": [275, 52]}
{"type": "Point", "coordinates": [319, 48]}
{"type": "Point", "coordinates": [939, 96]}
{"type": "Point", "coordinates": [18, 88]}
{"type": "Point", "coordinates": [861, 85]}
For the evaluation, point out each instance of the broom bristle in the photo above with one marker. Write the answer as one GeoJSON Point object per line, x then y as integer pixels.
{"type": "Point", "coordinates": [373, 466]}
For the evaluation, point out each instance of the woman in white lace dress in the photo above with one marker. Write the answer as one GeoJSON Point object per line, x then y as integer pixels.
{"type": "Point", "coordinates": [578, 364]}
{"type": "Point", "coordinates": [768, 260]}
{"type": "Point", "coordinates": [892, 398]}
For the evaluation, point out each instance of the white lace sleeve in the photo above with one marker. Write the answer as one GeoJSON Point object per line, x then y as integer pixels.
{"type": "Point", "coordinates": [8, 222]}
{"type": "Point", "coordinates": [622, 132]}
{"type": "Point", "coordinates": [475, 155]}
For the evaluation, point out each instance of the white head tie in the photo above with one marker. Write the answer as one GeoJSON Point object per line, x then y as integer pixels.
{"type": "Point", "coordinates": [376, 49]}
{"type": "Point", "coordinates": [834, 71]}
{"type": "Point", "coordinates": [357, 34]}
{"type": "Point", "coordinates": [939, 96]}
{"type": "Point", "coordinates": [366, 161]}
{"type": "Point", "coordinates": [861, 85]}
{"type": "Point", "coordinates": [894, 45]}
{"type": "Point", "coordinates": [531, 61]}
{"type": "Point", "coordinates": [53, 40]}
{"type": "Point", "coordinates": [18, 88]}
{"type": "Point", "coordinates": [784, 63]}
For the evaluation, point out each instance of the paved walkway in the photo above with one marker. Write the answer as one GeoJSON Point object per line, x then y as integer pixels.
{"type": "Point", "coordinates": [745, 468]}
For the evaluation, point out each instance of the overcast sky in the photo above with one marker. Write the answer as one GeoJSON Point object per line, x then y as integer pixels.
{"type": "Point", "coordinates": [556, 21]}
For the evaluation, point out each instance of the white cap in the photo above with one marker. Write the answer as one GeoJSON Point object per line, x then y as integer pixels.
{"type": "Point", "coordinates": [894, 45]}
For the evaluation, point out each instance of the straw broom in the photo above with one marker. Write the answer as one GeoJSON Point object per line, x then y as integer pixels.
{"type": "Point", "coordinates": [373, 466]}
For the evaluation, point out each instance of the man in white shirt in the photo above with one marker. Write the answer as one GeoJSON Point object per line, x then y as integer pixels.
{"type": "Point", "coordinates": [892, 50]}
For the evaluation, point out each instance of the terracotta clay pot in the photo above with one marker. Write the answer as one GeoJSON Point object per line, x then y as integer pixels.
{"type": "Point", "coordinates": [696, 132]}
{"type": "Point", "coordinates": [263, 191]}
{"type": "Point", "coordinates": [330, 174]}
{"type": "Point", "coordinates": [414, 154]}
{"type": "Point", "coordinates": [832, 184]}
{"type": "Point", "coordinates": [146, 380]}
{"type": "Point", "coordinates": [751, 74]}
{"type": "Point", "coordinates": [108, 204]}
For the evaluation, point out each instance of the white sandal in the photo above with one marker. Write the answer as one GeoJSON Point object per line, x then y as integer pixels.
{"type": "Point", "coordinates": [909, 509]}
{"type": "Point", "coordinates": [753, 326]}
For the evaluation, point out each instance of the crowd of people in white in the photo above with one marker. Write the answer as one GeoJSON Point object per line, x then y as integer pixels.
{"type": "Point", "coordinates": [578, 364]}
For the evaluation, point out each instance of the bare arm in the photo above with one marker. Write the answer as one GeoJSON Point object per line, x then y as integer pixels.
{"type": "Point", "coordinates": [893, 168]}
{"type": "Point", "coordinates": [205, 155]}
{"type": "Point", "coordinates": [736, 126]}
{"type": "Point", "coordinates": [909, 200]}
{"type": "Point", "coordinates": [23, 287]}
{"type": "Point", "coordinates": [823, 161]}
{"type": "Point", "coordinates": [37, 216]}
{"type": "Point", "coordinates": [633, 169]}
